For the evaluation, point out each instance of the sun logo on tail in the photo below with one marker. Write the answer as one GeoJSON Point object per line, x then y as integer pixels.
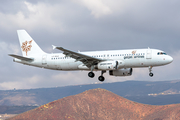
{"type": "Point", "coordinates": [25, 47]}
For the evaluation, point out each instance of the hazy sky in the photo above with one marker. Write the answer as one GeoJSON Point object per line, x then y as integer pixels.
{"type": "Point", "coordinates": [87, 25]}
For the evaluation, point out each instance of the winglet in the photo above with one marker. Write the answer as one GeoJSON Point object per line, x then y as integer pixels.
{"type": "Point", "coordinates": [54, 47]}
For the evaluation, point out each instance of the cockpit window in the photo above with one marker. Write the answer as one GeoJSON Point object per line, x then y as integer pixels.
{"type": "Point", "coordinates": [161, 53]}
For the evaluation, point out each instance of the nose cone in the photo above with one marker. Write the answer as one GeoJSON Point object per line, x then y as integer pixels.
{"type": "Point", "coordinates": [169, 59]}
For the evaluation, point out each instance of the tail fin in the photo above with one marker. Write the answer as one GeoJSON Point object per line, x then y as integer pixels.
{"type": "Point", "coordinates": [28, 45]}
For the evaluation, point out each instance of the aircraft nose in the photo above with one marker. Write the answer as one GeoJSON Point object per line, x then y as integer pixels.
{"type": "Point", "coordinates": [170, 59]}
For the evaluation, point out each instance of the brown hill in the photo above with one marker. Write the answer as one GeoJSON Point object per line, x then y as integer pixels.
{"type": "Point", "coordinates": [100, 104]}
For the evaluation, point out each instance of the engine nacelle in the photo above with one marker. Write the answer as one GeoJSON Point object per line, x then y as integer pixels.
{"type": "Point", "coordinates": [107, 65]}
{"type": "Point", "coordinates": [121, 72]}
{"type": "Point", "coordinates": [110, 65]}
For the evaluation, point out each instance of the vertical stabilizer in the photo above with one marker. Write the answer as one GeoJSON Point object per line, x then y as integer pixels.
{"type": "Point", "coordinates": [28, 45]}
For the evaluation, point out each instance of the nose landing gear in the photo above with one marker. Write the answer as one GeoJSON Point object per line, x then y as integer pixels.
{"type": "Point", "coordinates": [150, 71]}
{"type": "Point", "coordinates": [151, 74]}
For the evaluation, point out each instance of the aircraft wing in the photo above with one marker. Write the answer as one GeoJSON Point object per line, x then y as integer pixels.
{"type": "Point", "coordinates": [86, 59]}
{"type": "Point", "coordinates": [21, 58]}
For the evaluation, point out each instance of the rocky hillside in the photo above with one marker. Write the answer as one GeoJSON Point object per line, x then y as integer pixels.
{"type": "Point", "coordinates": [99, 104]}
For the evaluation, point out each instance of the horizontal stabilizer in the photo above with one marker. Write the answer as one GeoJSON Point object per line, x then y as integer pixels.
{"type": "Point", "coordinates": [21, 58]}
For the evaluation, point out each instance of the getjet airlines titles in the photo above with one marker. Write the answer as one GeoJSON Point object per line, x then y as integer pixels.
{"type": "Point", "coordinates": [117, 62]}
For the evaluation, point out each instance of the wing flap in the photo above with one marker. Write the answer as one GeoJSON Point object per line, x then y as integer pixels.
{"type": "Point", "coordinates": [21, 58]}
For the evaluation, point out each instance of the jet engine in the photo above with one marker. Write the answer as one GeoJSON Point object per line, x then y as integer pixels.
{"type": "Point", "coordinates": [110, 65]}
{"type": "Point", "coordinates": [121, 72]}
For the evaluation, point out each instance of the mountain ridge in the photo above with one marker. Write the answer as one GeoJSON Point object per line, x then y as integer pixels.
{"type": "Point", "coordinates": [100, 104]}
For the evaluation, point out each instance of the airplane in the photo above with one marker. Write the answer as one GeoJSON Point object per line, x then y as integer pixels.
{"type": "Point", "coordinates": [117, 62]}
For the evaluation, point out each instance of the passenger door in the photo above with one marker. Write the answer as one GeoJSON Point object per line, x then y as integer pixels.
{"type": "Point", "coordinates": [44, 62]}
{"type": "Point", "coordinates": [149, 54]}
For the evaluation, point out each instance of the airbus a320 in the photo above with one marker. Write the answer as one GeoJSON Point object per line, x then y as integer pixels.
{"type": "Point", "coordinates": [116, 62]}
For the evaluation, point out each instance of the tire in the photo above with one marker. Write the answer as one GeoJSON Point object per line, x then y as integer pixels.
{"type": "Point", "coordinates": [91, 74]}
{"type": "Point", "coordinates": [101, 78]}
{"type": "Point", "coordinates": [151, 74]}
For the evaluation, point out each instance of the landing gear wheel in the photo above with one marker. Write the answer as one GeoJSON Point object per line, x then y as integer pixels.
{"type": "Point", "coordinates": [151, 74]}
{"type": "Point", "coordinates": [150, 71]}
{"type": "Point", "coordinates": [91, 74]}
{"type": "Point", "coordinates": [101, 78]}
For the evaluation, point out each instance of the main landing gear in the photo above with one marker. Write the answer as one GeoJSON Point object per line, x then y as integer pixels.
{"type": "Point", "coordinates": [150, 71]}
{"type": "Point", "coordinates": [91, 74]}
{"type": "Point", "coordinates": [100, 78]}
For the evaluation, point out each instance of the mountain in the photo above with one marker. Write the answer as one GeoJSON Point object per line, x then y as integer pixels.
{"type": "Point", "coordinates": [153, 93]}
{"type": "Point", "coordinates": [100, 104]}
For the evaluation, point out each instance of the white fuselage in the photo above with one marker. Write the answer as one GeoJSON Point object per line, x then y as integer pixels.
{"type": "Point", "coordinates": [140, 58]}
{"type": "Point", "coordinates": [117, 62]}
